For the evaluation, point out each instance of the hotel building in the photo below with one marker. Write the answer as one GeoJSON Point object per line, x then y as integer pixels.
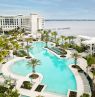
{"type": "Point", "coordinates": [30, 23]}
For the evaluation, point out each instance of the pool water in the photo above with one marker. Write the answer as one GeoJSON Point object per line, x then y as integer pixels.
{"type": "Point", "coordinates": [57, 75]}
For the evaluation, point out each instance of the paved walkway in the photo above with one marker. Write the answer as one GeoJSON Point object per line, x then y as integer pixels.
{"type": "Point", "coordinates": [82, 63]}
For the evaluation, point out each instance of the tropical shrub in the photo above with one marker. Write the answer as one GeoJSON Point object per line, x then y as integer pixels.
{"type": "Point", "coordinates": [8, 92]}
{"type": "Point", "coordinates": [20, 53]}
{"type": "Point", "coordinates": [26, 85]}
{"type": "Point", "coordinates": [90, 59]}
{"type": "Point", "coordinates": [85, 95]}
{"type": "Point", "coordinates": [2, 89]}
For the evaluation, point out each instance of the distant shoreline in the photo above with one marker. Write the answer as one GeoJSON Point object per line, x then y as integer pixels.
{"type": "Point", "coordinates": [69, 20]}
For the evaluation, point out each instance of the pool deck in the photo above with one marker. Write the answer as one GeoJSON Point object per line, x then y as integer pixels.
{"type": "Point", "coordinates": [6, 71]}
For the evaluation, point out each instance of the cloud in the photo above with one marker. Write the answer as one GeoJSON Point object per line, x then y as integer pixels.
{"type": "Point", "coordinates": [50, 8]}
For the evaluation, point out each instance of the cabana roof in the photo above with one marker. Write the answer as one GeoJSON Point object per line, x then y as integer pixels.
{"type": "Point", "coordinates": [92, 41]}
{"type": "Point", "coordinates": [84, 37]}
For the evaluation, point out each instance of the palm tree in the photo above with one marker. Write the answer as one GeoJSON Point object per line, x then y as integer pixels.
{"type": "Point", "coordinates": [6, 44]}
{"type": "Point", "coordinates": [62, 37]}
{"type": "Point", "coordinates": [40, 31]}
{"type": "Point", "coordinates": [46, 37]}
{"type": "Point", "coordinates": [34, 63]}
{"type": "Point", "coordinates": [5, 53]}
{"type": "Point", "coordinates": [27, 48]}
{"type": "Point", "coordinates": [69, 38]}
{"type": "Point", "coordinates": [16, 46]}
{"type": "Point", "coordinates": [72, 38]}
{"type": "Point", "coordinates": [18, 28]}
{"type": "Point", "coordinates": [75, 56]}
{"type": "Point", "coordinates": [21, 32]}
{"type": "Point", "coordinates": [57, 41]}
{"type": "Point", "coordinates": [28, 40]}
{"type": "Point", "coordinates": [15, 35]}
{"type": "Point", "coordinates": [66, 38]}
{"type": "Point", "coordinates": [54, 34]}
{"type": "Point", "coordinates": [22, 44]}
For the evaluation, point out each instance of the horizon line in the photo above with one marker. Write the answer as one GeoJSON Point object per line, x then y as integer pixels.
{"type": "Point", "coordinates": [69, 19]}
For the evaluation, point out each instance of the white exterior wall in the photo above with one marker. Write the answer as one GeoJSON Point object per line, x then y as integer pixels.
{"type": "Point", "coordinates": [34, 24]}
{"type": "Point", "coordinates": [40, 23]}
{"type": "Point", "coordinates": [37, 22]}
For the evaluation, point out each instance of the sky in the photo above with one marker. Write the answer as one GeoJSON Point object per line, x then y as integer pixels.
{"type": "Point", "coordinates": [50, 9]}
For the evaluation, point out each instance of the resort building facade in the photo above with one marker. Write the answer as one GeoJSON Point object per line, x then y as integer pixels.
{"type": "Point", "coordinates": [30, 23]}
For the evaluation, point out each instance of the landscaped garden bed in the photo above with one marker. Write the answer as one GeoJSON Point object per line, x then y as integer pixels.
{"type": "Point", "coordinates": [34, 76]}
{"type": "Point", "coordinates": [73, 94]}
{"type": "Point", "coordinates": [20, 53]}
{"type": "Point", "coordinates": [39, 88]}
{"type": "Point", "coordinates": [27, 85]}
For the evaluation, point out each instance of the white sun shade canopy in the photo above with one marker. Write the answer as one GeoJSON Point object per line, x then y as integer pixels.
{"type": "Point", "coordinates": [84, 37]}
{"type": "Point", "coordinates": [91, 41]}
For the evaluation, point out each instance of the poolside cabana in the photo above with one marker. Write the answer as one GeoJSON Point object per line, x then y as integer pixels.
{"type": "Point", "coordinates": [91, 45]}
{"type": "Point", "coordinates": [84, 37]}
{"type": "Point", "coordinates": [81, 38]}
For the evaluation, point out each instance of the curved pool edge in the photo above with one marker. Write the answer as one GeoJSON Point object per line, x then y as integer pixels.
{"type": "Point", "coordinates": [6, 71]}
{"type": "Point", "coordinates": [6, 68]}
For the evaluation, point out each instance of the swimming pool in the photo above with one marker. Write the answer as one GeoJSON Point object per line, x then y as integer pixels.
{"type": "Point", "coordinates": [57, 75]}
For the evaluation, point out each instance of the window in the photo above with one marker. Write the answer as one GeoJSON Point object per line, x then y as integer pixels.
{"type": "Point", "coordinates": [1, 22]}
{"type": "Point", "coordinates": [6, 22]}
{"type": "Point", "coordinates": [17, 21]}
{"type": "Point", "coordinates": [11, 21]}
